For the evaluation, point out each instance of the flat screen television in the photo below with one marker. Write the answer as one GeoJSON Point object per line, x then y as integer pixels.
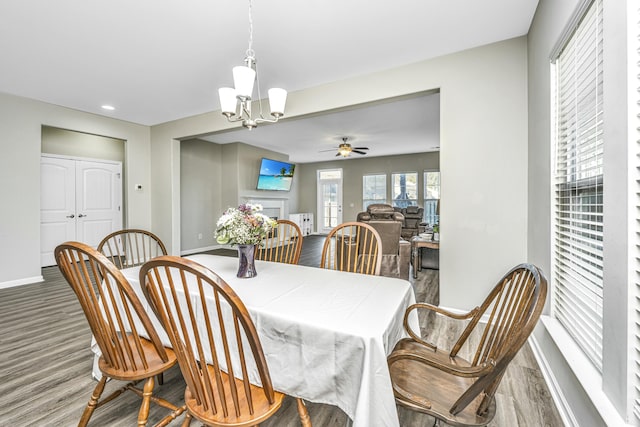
{"type": "Point", "coordinates": [275, 175]}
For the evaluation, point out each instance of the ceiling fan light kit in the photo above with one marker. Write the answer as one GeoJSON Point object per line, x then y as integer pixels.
{"type": "Point", "coordinates": [235, 103]}
{"type": "Point", "coordinates": [345, 149]}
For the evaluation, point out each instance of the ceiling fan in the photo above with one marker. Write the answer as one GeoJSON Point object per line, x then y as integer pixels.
{"type": "Point", "coordinates": [345, 149]}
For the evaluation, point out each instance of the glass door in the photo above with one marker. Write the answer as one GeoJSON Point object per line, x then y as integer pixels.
{"type": "Point", "coordinates": [329, 199]}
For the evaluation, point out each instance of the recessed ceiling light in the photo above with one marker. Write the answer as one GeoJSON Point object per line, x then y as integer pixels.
{"type": "Point", "coordinates": [108, 107]}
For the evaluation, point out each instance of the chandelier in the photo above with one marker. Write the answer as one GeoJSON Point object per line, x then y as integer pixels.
{"type": "Point", "coordinates": [235, 102]}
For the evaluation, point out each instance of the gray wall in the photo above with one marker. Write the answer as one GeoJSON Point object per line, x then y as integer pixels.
{"type": "Point", "coordinates": [201, 199]}
{"type": "Point", "coordinates": [214, 177]}
{"type": "Point", "coordinates": [80, 144]}
{"type": "Point", "coordinates": [248, 168]}
{"type": "Point", "coordinates": [590, 402]}
{"type": "Point", "coordinates": [21, 122]}
{"type": "Point", "coordinates": [353, 170]}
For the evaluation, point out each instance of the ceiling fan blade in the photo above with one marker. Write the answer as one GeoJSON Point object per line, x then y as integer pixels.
{"type": "Point", "coordinates": [330, 149]}
{"type": "Point", "coordinates": [359, 152]}
{"type": "Point", "coordinates": [360, 148]}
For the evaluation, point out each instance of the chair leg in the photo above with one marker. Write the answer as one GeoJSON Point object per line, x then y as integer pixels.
{"type": "Point", "coordinates": [187, 420]}
{"type": "Point", "coordinates": [93, 402]}
{"type": "Point", "coordinates": [143, 414]}
{"type": "Point", "coordinates": [305, 420]}
{"type": "Point", "coordinates": [160, 378]}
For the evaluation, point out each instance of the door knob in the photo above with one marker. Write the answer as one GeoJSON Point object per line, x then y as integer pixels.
{"type": "Point", "coordinates": [81, 216]}
{"type": "Point", "coordinates": [71, 216]}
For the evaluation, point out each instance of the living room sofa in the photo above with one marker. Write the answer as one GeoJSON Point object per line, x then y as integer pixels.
{"type": "Point", "coordinates": [396, 252]}
{"type": "Point", "coordinates": [413, 221]}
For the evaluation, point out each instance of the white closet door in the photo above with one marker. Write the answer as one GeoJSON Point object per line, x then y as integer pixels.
{"type": "Point", "coordinates": [98, 200]}
{"type": "Point", "coordinates": [80, 200]}
{"type": "Point", "coordinates": [57, 205]}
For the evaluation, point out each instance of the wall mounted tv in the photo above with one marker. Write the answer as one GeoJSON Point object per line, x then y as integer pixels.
{"type": "Point", "coordinates": [275, 175]}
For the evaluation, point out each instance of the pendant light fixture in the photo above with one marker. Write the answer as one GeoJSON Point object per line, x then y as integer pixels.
{"type": "Point", "coordinates": [235, 102]}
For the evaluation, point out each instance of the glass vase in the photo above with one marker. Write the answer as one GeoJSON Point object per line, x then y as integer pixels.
{"type": "Point", "coordinates": [246, 261]}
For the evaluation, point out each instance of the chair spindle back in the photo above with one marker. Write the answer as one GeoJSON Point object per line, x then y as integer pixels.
{"type": "Point", "coordinates": [283, 244]}
{"type": "Point", "coordinates": [514, 307]}
{"type": "Point", "coordinates": [218, 355]}
{"type": "Point", "coordinates": [131, 247]}
{"type": "Point", "coordinates": [353, 247]}
{"type": "Point", "coordinates": [116, 316]}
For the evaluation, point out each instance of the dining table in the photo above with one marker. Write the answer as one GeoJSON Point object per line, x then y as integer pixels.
{"type": "Point", "coordinates": [325, 334]}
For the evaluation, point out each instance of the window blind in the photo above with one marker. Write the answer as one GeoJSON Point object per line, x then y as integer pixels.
{"type": "Point", "coordinates": [635, 70]}
{"type": "Point", "coordinates": [577, 295]}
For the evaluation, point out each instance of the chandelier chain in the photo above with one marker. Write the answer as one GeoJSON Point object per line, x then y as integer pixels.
{"type": "Point", "coordinates": [250, 53]}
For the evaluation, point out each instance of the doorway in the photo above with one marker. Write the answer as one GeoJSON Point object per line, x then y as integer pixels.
{"type": "Point", "coordinates": [329, 205]}
{"type": "Point", "coordinates": [78, 146]}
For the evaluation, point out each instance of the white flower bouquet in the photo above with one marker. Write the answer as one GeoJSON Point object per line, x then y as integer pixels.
{"type": "Point", "coordinates": [244, 225]}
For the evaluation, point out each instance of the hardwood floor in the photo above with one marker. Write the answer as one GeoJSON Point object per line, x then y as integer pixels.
{"type": "Point", "coordinates": [45, 365]}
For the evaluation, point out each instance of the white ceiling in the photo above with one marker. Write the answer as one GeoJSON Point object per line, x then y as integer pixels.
{"type": "Point", "coordinates": [161, 60]}
{"type": "Point", "coordinates": [401, 127]}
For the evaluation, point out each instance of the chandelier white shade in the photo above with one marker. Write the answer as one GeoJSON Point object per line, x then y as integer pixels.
{"type": "Point", "coordinates": [243, 78]}
{"type": "Point", "coordinates": [228, 101]}
{"type": "Point", "coordinates": [277, 101]}
{"type": "Point", "coordinates": [235, 103]}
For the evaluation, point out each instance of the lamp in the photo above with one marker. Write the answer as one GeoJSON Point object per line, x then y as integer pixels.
{"type": "Point", "coordinates": [235, 103]}
{"type": "Point", "coordinates": [344, 149]}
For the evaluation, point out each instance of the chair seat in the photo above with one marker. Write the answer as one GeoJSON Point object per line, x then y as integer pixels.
{"type": "Point", "coordinates": [155, 364]}
{"type": "Point", "coordinates": [435, 385]}
{"type": "Point", "coordinates": [262, 410]}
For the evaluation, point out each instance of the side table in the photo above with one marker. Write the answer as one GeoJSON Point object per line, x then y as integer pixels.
{"type": "Point", "coordinates": [418, 242]}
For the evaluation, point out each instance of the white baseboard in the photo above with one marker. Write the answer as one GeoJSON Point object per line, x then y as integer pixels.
{"type": "Point", "coordinates": [564, 409]}
{"type": "Point", "coordinates": [21, 282]}
{"type": "Point", "coordinates": [198, 250]}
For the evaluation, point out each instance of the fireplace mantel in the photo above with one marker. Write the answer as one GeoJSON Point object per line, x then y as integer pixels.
{"type": "Point", "coordinates": [272, 206]}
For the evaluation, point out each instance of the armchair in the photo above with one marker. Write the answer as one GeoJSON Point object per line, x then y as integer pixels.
{"type": "Point", "coordinates": [396, 252]}
{"type": "Point", "coordinates": [413, 220]}
{"type": "Point", "coordinates": [461, 390]}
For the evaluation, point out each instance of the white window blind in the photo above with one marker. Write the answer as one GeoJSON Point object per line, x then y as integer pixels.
{"type": "Point", "coordinates": [577, 291]}
{"type": "Point", "coordinates": [635, 70]}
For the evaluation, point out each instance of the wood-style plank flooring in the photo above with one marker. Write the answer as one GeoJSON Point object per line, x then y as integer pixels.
{"type": "Point", "coordinates": [45, 365]}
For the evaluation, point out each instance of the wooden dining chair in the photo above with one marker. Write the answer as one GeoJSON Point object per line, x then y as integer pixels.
{"type": "Point", "coordinates": [451, 388]}
{"type": "Point", "coordinates": [131, 247]}
{"type": "Point", "coordinates": [283, 244]}
{"type": "Point", "coordinates": [216, 343]}
{"type": "Point", "coordinates": [354, 247]}
{"type": "Point", "coordinates": [130, 346]}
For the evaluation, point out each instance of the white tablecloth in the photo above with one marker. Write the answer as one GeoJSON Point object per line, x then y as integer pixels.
{"type": "Point", "coordinates": [325, 334]}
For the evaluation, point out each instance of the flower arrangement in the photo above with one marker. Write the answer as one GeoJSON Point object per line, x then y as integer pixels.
{"type": "Point", "coordinates": [244, 225]}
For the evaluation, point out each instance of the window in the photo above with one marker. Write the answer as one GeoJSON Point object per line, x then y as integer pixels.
{"type": "Point", "coordinates": [432, 197]}
{"type": "Point", "coordinates": [577, 253]}
{"type": "Point", "coordinates": [634, 117]}
{"type": "Point", "coordinates": [374, 190]}
{"type": "Point", "coordinates": [405, 189]}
